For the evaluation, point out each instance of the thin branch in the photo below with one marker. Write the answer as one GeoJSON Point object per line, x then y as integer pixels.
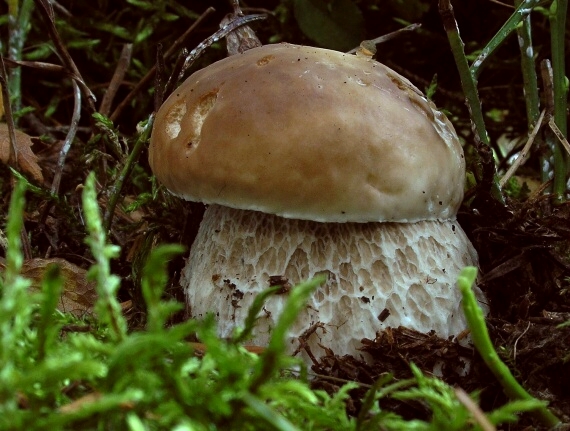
{"type": "Point", "coordinates": [226, 30]}
{"type": "Point", "coordinates": [561, 138]}
{"type": "Point", "coordinates": [49, 67]}
{"type": "Point", "coordinates": [171, 83]}
{"type": "Point", "coordinates": [176, 46]}
{"type": "Point", "coordinates": [388, 36]}
{"type": "Point", "coordinates": [159, 86]}
{"type": "Point", "coordinates": [46, 10]}
{"type": "Point", "coordinates": [68, 139]}
{"type": "Point", "coordinates": [189, 59]}
{"type": "Point", "coordinates": [525, 151]}
{"type": "Point", "coordinates": [474, 409]}
{"type": "Point", "coordinates": [120, 71]}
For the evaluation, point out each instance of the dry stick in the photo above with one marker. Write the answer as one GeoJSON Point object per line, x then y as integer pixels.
{"type": "Point", "coordinates": [517, 342]}
{"type": "Point", "coordinates": [175, 47]}
{"type": "Point", "coordinates": [50, 67]}
{"type": "Point", "coordinates": [387, 37]}
{"type": "Point", "coordinates": [171, 83]}
{"type": "Point", "coordinates": [559, 134]}
{"type": "Point", "coordinates": [35, 65]}
{"type": "Point", "coordinates": [228, 28]}
{"type": "Point", "coordinates": [510, 6]}
{"type": "Point", "coordinates": [68, 138]}
{"type": "Point", "coordinates": [474, 409]}
{"type": "Point", "coordinates": [61, 9]}
{"type": "Point", "coordinates": [524, 153]}
{"type": "Point", "coordinates": [158, 84]}
{"type": "Point", "coordinates": [120, 71]}
{"type": "Point", "coordinates": [47, 12]}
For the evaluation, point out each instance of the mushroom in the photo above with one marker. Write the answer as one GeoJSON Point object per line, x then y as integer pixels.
{"type": "Point", "coordinates": [315, 162]}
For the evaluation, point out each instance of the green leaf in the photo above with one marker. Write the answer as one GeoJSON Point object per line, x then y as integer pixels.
{"type": "Point", "coordinates": [153, 282]}
{"type": "Point", "coordinates": [336, 24]}
{"type": "Point", "coordinates": [52, 286]}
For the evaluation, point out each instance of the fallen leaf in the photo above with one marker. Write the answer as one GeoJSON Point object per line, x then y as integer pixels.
{"type": "Point", "coordinates": [79, 294]}
{"type": "Point", "coordinates": [27, 160]}
{"type": "Point", "coordinates": [88, 401]}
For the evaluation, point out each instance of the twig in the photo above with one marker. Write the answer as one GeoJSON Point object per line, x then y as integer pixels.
{"type": "Point", "coordinates": [62, 10]}
{"type": "Point", "coordinates": [171, 83]}
{"type": "Point", "coordinates": [524, 152]}
{"type": "Point", "coordinates": [68, 139]}
{"type": "Point", "coordinates": [517, 342]}
{"type": "Point", "coordinates": [185, 62]}
{"type": "Point", "coordinates": [35, 65]}
{"type": "Point", "coordinates": [510, 6]}
{"type": "Point", "coordinates": [120, 70]}
{"type": "Point", "coordinates": [475, 410]}
{"type": "Point", "coordinates": [561, 138]}
{"type": "Point", "coordinates": [226, 30]}
{"type": "Point", "coordinates": [150, 74]}
{"type": "Point", "coordinates": [47, 12]}
{"type": "Point", "coordinates": [158, 84]}
{"type": "Point", "coordinates": [386, 37]}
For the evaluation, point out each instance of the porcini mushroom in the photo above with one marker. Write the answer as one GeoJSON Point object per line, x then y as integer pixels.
{"type": "Point", "coordinates": [313, 161]}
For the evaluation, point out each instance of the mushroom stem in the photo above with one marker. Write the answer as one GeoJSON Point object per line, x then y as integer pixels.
{"type": "Point", "coordinates": [408, 269]}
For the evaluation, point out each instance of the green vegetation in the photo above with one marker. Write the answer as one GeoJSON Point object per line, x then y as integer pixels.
{"type": "Point", "coordinates": [110, 370]}
{"type": "Point", "coordinates": [61, 372]}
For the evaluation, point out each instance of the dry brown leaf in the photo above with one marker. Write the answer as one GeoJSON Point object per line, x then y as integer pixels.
{"type": "Point", "coordinates": [27, 160]}
{"type": "Point", "coordinates": [87, 400]}
{"type": "Point", "coordinates": [78, 404]}
{"type": "Point", "coordinates": [79, 294]}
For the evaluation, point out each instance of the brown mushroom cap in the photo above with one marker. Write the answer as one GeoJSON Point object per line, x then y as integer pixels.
{"type": "Point", "coordinates": [311, 134]}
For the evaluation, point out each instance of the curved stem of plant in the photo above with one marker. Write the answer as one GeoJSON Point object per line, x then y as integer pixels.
{"type": "Point", "coordinates": [558, 16]}
{"type": "Point", "coordinates": [468, 82]}
{"type": "Point", "coordinates": [68, 139]}
{"type": "Point", "coordinates": [483, 344]}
